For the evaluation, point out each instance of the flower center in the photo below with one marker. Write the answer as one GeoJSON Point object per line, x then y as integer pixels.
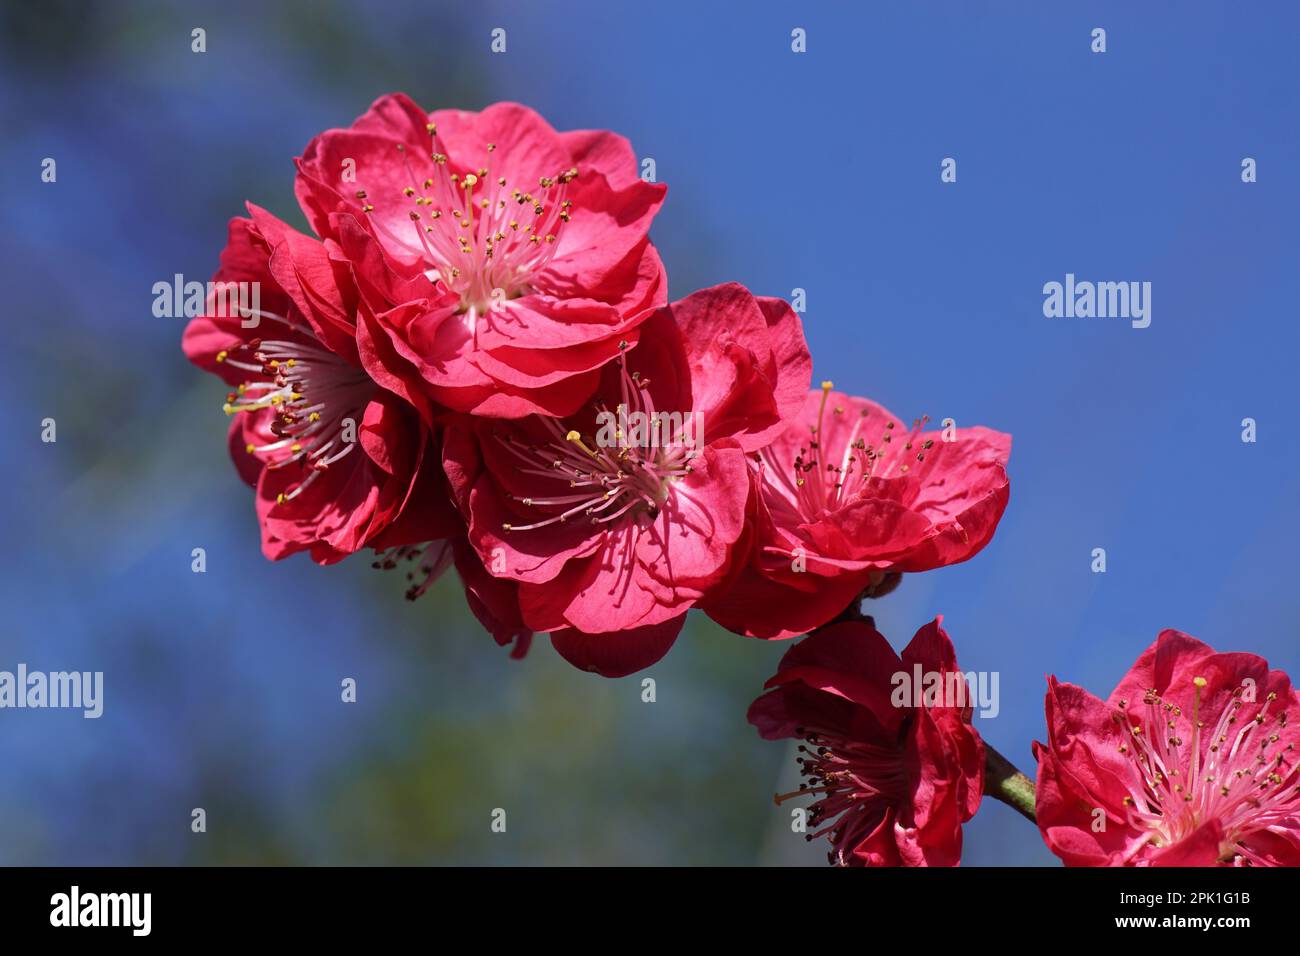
{"type": "Point", "coordinates": [858, 783]}
{"type": "Point", "coordinates": [608, 479]}
{"type": "Point", "coordinates": [316, 401]}
{"type": "Point", "coordinates": [484, 238]}
{"type": "Point", "coordinates": [816, 483]}
{"type": "Point", "coordinates": [1242, 779]}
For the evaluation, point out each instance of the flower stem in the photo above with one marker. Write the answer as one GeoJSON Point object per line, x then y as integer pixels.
{"type": "Point", "coordinates": [1004, 782]}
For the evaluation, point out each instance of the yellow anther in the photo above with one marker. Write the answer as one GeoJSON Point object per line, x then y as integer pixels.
{"type": "Point", "coordinates": [576, 438]}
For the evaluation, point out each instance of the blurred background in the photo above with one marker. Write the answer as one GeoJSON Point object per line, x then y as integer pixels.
{"type": "Point", "coordinates": [817, 171]}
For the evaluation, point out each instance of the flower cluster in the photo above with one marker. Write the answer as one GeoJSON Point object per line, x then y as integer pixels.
{"type": "Point", "coordinates": [472, 361]}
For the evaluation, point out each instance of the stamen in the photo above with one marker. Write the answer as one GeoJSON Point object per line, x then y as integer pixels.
{"type": "Point", "coordinates": [833, 469]}
{"type": "Point", "coordinates": [470, 241]}
{"type": "Point", "coordinates": [607, 484]}
{"type": "Point", "coordinates": [311, 394]}
{"type": "Point", "coordinates": [1171, 794]}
